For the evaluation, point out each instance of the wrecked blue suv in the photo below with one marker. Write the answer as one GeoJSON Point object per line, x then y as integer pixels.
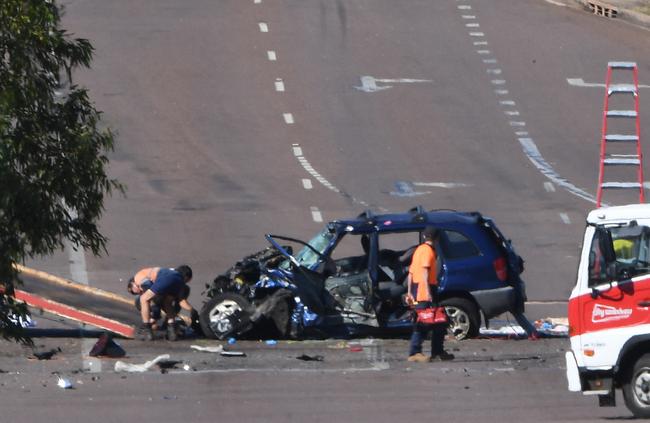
{"type": "Point", "coordinates": [351, 277]}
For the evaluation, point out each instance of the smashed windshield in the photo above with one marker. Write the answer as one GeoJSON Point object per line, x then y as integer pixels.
{"type": "Point", "coordinates": [308, 257]}
{"type": "Point", "coordinates": [632, 249]}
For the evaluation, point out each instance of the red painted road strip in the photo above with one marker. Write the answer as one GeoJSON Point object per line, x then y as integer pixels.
{"type": "Point", "coordinates": [75, 314]}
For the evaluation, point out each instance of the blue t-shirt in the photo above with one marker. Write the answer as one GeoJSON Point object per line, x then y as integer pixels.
{"type": "Point", "coordinates": [168, 282]}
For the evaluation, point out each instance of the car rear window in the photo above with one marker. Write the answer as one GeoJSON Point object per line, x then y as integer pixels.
{"type": "Point", "coordinates": [456, 245]}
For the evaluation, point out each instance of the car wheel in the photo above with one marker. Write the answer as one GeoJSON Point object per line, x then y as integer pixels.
{"type": "Point", "coordinates": [463, 318]}
{"type": "Point", "coordinates": [225, 314]}
{"type": "Point", "coordinates": [636, 388]}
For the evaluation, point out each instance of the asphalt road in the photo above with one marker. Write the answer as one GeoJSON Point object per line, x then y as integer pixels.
{"type": "Point", "coordinates": [207, 123]}
{"type": "Point", "coordinates": [210, 100]}
{"type": "Point", "coordinates": [494, 379]}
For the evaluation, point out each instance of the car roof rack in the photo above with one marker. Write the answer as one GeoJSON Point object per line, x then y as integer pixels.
{"type": "Point", "coordinates": [419, 214]}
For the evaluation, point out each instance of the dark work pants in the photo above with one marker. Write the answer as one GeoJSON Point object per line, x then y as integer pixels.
{"type": "Point", "coordinates": [420, 332]}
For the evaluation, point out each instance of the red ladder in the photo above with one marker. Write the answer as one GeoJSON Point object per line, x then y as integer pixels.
{"type": "Point", "coordinates": [607, 159]}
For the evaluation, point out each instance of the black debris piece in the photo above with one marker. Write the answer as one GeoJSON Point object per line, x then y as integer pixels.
{"type": "Point", "coordinates": [44, 355]}
{"type": "Point", "coordinates": [165, 365]}
{"type": "Point", "coordinates": [306, 357]}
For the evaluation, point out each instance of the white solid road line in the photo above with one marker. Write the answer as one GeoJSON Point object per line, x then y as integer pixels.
{"type": "Point", "coordinates": [79, 274]}
{"type": "Point", "coordinates": [447, 185]}
{"type": "Point", "coordinates": [579, 82]}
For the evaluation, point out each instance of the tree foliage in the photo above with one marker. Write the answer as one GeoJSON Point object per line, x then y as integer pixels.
{"type": "Point", "coordinates": [53, 149]}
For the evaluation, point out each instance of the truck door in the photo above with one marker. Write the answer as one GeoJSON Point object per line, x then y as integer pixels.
{"type": "Point", "coordinates": [616, 302]}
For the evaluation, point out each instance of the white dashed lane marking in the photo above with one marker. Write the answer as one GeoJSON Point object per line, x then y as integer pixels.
{"type": "Point", "coordinates": [316, 214]}
{"type": "Point", "coordinates": [549, 187]}
{"type": "Point", "coordinates": [306, 184]}
{"type": "Point", "coordinates": [271, 55]}
{"type": "Point", "coordinates": [527, 143]}
{"type": "Point", "coordinates": [279, 85]}
{"type": "Point", "coordinates": [565, 218]}
{"type": "Point", "coordinates": [264, 27]}
{"type": "Point", "coordinates": [288, 118]}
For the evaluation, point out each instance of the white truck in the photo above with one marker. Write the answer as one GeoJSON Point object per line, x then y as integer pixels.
{"type": "Point", "coordinates": [609, 309]}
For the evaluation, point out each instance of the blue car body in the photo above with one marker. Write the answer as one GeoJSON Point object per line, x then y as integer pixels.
{"type": "Point", "coordinates": [479, 277]}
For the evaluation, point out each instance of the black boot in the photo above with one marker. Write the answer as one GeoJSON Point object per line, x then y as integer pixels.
{"type": "Point", "coordinates": [144, 332]}
{"type": "Point", "coordinates": [171, 331]}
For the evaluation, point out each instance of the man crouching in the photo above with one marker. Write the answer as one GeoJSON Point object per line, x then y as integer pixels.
{"type": "Point", "coordinates": [161, 288]}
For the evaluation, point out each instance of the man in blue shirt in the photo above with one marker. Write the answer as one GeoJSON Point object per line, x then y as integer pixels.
{"type": "Point", "coordinates": [168, 288]}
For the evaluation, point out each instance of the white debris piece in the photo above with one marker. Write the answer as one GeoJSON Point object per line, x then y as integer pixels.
{"type": "Point", "coordinates": [214, 349]}
{"type": "Point", "coordinates": [64, 383]}
{"type": "Point", "coordinates": [121, 366]}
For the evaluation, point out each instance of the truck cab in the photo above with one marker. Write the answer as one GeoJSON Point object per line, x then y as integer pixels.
{"type": "Point", "coordinates": [609, 309]}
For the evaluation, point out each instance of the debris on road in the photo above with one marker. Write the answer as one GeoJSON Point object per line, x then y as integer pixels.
{"type": "Point", "coordinates": [107, 347]}
{"type": "Point", "coordinates": [355, 348]}
{"type": "Point", "coordinates": [558, 326]}
{"type": "Point", "coordinates": [215, 349]}
{"type": "Point", "coordinates": [64, 383]}
{"type": "Point", "coordinates": [233, 354]}
{"type": "Point", "coordinates": [306, 357]}
{"type": "Point", "coordinates": [44, 355]}
{"type": "Point", "coordinates": [271, 342]}
{"type": "Point", "coordinates": [551, 326]}
{"type": "Point", "coordinates": [121, 366]}
{"type": "Point", "coordinates": [231, 341]}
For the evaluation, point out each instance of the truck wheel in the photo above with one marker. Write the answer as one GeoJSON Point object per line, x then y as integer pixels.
{"type": "Point", "coordinates": [225, 314]}
{"type": "Point", "coordinates": [636, 388]}
{"type": "Point", "coordinates": [463, 317]}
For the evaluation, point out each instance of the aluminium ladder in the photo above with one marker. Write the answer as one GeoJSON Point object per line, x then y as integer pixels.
{"type": "Point", "coordinates": [629, 139]}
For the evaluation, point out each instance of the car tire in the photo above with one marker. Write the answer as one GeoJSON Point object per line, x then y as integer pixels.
{"type": "Point", "coordinates": [214, 316]}
{"type": "Point", "coordinates": [281, 317]}
{"type": "Point", "coordinates": [636, 388]}
{"type": "Point", "coordinates": [464, 320]}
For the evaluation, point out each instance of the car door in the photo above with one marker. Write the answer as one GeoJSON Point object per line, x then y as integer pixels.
{"type": "Point", "coordinates": [463, 263]}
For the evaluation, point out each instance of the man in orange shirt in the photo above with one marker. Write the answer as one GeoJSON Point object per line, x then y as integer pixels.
{"type": "Point", "coordinates": [422, 283]}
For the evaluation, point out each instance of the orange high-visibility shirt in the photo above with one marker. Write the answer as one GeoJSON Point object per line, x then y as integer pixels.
{"type": "Point", "coordinates": [424, 257]}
